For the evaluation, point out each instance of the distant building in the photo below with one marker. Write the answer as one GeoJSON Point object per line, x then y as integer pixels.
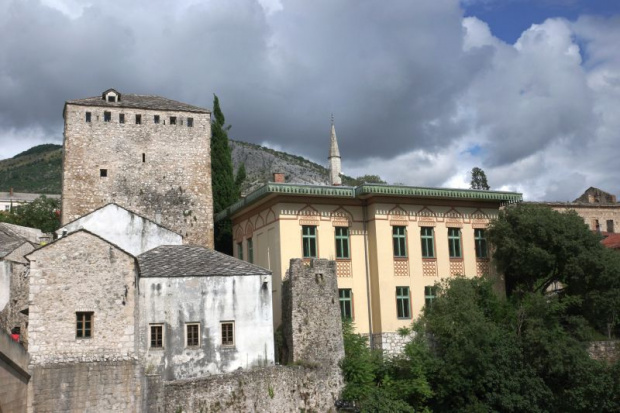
{"type": "Point", "coordinates": [599, 210]}
{"type": "Point", "coordinates": [391, 243]}
{"type": "Point", "coordinates": [12, 199]}
{"type": "Point", "coordinates": [145, 153]}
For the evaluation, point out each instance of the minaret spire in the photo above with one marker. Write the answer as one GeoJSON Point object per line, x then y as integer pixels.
{"type": "Point", "coordinates": [335, 168]}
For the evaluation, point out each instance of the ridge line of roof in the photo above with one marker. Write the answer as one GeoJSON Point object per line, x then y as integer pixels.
{"type": "Point", "coordinates": [367, 189]}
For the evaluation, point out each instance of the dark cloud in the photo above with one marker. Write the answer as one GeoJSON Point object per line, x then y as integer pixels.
{"type": "Point", "coordinates": [413, 86]}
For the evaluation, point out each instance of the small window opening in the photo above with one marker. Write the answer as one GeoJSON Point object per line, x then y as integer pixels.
{"type": "Point", "coordinates": [157, 336]}
{"type": "Point", "coordinates": [84, 324]}
{"type": "Point", "coordinates": [143, 157]}
{"type": "Point", "coordinates": [156, 119]}
{"type": "Point", "coordinates": [107, 116]}
{"type": "Point", "coordinates": [111, 98]}
{"type": "Point", "coordinates": [103, 173]}
{"type": "Point", "coordinates": [190, 122]}
{"type": "Point", "coordinates": [121, 118]}
{"type": "Point", "coordinates": [192, 335]}
{"type": "Point", "coordinates": [173, 120]}
{"type": "Point", "coordinates": [138, 119]}
{"type": "Point", "coordinates": [228, 334]}
{"type": "Point", "coordinates": [88, 116]}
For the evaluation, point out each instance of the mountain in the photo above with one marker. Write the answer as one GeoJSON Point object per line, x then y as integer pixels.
{"type": "Point", "coordinates": [39, 169]}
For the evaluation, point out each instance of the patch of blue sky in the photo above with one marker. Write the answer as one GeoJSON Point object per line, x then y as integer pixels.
{"type": "Point", "coordinates": [509, 18]}
{"type": "Point", "coordinates": [474, 150]}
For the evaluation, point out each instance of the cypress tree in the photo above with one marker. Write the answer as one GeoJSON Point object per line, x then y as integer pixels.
{"type": "Point", "coordinates": [222, 177]}
{"type": "Point", "coordinates": [239, 179]}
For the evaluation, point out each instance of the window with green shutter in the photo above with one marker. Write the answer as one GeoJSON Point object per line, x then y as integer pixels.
{"type": "Point", "coordinates": [342, 243]}
{"type": "Point", "coordinates": [346, 303]}
{"type": "Point", "coordinates": [428, 242]}
{"type": "Point", "coordinates": [250, 251]}
{"type": "Point", "coordinates": [454, 242]}
{"type": "Point", "coordinates": [403, 303]}
{"type": "Point", "coordinates": [308, 237]}
{"type": "Point", "coordinates": [429, 295]}
{"type": "Point", "coordinates": [399, 240]}
{"type": "Point", "coordinates": [481, 243]}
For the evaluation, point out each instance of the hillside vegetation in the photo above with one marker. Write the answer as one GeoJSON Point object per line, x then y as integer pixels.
{"type": "Point", "coordinates": [37, 170]}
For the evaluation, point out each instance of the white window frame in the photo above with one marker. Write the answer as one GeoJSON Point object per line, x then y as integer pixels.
{"type": "Point", "coordinates": [163, 336]}
{"type": "Point", "coordinates": [199, 335]}
{"type": "Point", "coordinates": [234, 333]}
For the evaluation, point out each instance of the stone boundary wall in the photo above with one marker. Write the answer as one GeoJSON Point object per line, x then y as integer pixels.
{"type": "Point", "coordinates": [13, 375]}
{"type": "Point", "coordinates": [271, 389]}
{"type": "Point", "coordinates": [392, 344]}
{"type": "Point", "coordinates": [113, 386]}
{"type": "Point", "coordinates": [311, 322]}
{"type": "Point", "coordinates": [605, 350]}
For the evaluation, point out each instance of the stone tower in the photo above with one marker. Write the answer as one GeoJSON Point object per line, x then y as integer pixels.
{"type": "Point", "coordinates": [335, 168]}
{"type": "Point", "coordinates": [148, 154]}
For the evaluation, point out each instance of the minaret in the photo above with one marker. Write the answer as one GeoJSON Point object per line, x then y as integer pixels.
{"type": "Point", "coordinates": [334, 159]}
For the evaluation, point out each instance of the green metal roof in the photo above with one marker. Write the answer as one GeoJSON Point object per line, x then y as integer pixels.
{"type": "Point", "coordinates": [366, 191]}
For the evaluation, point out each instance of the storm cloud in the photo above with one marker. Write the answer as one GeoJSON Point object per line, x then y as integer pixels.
{"type": "Point", "coordinates": [420, 93]}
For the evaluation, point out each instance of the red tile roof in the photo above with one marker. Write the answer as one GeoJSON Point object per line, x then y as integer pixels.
{"type": "Point", "coordinates": [612, 241]}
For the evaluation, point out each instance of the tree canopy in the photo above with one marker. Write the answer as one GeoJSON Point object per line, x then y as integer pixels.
{"type": "Point", "coordinates": [481, 352]}
{"type": "Point", "coordinates": [479, 179]}
{"type": "Point", "coordinates": [537, 248]}
{"type": "Point", "coordinates": [225, 189]}
{"type": "Point", "coordinates": [43, 213]}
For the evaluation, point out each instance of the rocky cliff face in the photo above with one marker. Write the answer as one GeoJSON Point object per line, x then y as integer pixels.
{"type": "Point", "coordinates": [261, 163]}
{"type": "Point", "coordinates": [39, 169]}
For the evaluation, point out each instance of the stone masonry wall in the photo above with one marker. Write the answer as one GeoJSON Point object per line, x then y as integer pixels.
{"type": "Point", "coordinates": [313, 331]}
{"type": "Point", "coordinates": [16, 269]}
{"type": "Point", "coordinates": [81, 272]}
{"type": "Point", "coordinates": [605, 350]}
{"type": "Point", "coordinates": [161, 171]}
{"type": "Point", "coordinates": [279, 389]}
{"type": "Point", "coordinates": [311, 321]}
{"type": "Point", "coordinates": [392, 344]}
{"type": "Point", "coordinates": [13, 375]}
{"type": "Point", "coordinates": [113, 386]}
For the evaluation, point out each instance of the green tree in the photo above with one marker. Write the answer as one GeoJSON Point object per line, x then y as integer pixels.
{"type": "Point", "coordinates": [479, 179]}
{"type": "Point", "coordinates": [239, 180]}
{"type": "Point", "coordinates": [482, 353]}
{"type": "Point", "coordinates": [222, 177]}
{"type": "Point", "coordinates": [43, 213]}
{"type": "Point", "coordinates": [536, 247]}
{"type": "Point", "coordinates": [379, 384]}
{"type": "Point", "coordinates": [471, 358]}
{"type": "Point", "coordinates": [365, 179]}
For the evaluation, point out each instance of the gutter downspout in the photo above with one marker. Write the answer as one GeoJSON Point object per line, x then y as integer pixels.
{"type": "Point", "coordinates": [368, 292]}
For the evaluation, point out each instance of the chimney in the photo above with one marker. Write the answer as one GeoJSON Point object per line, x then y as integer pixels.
{"type": "Point", "coordinates": [278, 177]}
{"type": "Point", "coordinates": [11, 193]}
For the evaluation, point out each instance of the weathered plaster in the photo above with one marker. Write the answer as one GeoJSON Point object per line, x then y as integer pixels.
{"type": "Point", "coordinates": [175, 301]}
{"type": "Point", "coordinates": [127, 230]}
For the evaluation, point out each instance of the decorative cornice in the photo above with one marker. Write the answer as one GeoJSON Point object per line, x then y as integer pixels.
{"type": "Point", "coordinates": [366, 191]}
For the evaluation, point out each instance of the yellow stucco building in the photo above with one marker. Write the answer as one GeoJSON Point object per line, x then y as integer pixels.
{"type": "Point", "coordinates": [391, 243]}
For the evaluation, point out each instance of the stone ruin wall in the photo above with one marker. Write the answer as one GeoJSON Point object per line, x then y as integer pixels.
{"type": "Point", "coordinates": [97, 386]}
{"type": "Point", "coordinates": [311, 313]}
{"type": "Point", "coordinates": [16, 269]}
{"type": "Point", "coordinates": [172, 186]}
{"type": "Point", "coordinates": [312, 381]}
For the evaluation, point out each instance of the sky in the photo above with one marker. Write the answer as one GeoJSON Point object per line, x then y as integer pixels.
{"type": "Point", "coordinates": [421, 91]}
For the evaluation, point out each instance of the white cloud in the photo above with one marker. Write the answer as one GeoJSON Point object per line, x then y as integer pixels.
{"type": "Point", "coordinates": [420, 94]}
